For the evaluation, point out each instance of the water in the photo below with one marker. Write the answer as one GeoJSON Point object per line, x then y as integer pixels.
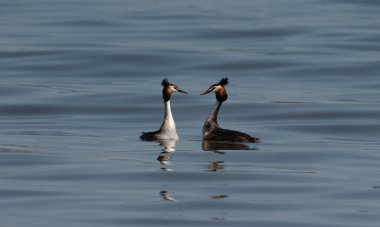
{"type": "Point", "coordinates": [80, 80]}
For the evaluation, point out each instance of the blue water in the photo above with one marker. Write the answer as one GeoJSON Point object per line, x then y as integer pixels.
{"type": "Point", "coordinates": [80, 80]}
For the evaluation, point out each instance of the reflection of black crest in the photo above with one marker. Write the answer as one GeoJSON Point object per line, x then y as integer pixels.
{"type": "Point", "coordinates": [165, 82]}
{"type": "Point", "coordinates": [224, 81]}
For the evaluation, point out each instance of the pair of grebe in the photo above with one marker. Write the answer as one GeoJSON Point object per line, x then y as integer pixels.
{"type": "Point", "coordinates": [211, 129]}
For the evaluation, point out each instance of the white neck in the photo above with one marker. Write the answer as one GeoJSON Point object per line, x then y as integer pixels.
{"type": "Point", "coordinates": [168, 112]}
{"type": "Point", "coordinates": [168, 128]}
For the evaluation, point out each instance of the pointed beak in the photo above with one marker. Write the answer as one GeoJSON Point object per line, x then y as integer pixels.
{"type": "Point", "coordinates": [206, 92]}
{"type": "Point", "coordinates": [182, 91]}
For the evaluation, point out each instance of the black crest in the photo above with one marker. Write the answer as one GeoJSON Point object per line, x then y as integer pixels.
{"type": "Point", "coordinates": [166, 94]}
{"type": "Point", "coordinates": [223, 81]}
{"type": "Point", "coordinates": [165, 82]}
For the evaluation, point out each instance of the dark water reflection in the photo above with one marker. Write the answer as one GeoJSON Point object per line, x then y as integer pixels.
{"type": "Point", "coordinates": [216, 166]}
{"type": "Point", "coordinates": [219, 146]}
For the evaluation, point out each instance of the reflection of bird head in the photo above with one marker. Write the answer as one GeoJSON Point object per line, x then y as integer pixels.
{"type": "Point", "coordinates": [167, 196]}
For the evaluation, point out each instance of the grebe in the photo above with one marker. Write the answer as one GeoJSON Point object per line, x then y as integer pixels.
{"type": "Point", "coordinates": [211, 129]}
{"type": "Point", "coordinates": [167, 130]}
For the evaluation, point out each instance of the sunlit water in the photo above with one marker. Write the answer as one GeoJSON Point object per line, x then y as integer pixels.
{"type": "Point", "coordinates": [80, 80]}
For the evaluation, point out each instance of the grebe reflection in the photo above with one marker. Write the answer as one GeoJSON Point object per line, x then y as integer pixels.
{"type": "Point", "coordinates": [164, 158]}
{"type": "Point", "coordinates": [216, 166]}
{"type": "Point", "coordinates": [169, 145]}
{"type": "Point", "coordinates": [166, 195]}
{"type": "Point", "coordinates": [219, 146]}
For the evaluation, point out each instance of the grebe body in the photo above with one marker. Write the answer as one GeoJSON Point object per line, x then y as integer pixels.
{"type": "Point", "coordinates": [211, 129]}
{"type": "Point", "coordinates": [168, 130]}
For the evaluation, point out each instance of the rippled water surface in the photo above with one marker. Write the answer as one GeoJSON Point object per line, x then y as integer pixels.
{"type": "Point", "coordinates": [80, 80]}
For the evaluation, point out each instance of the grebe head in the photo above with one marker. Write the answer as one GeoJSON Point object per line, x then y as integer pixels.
{"type": "Point", "coordinates": [169, 89]}
{"type": "Point", "coordinates": [219, 90]}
